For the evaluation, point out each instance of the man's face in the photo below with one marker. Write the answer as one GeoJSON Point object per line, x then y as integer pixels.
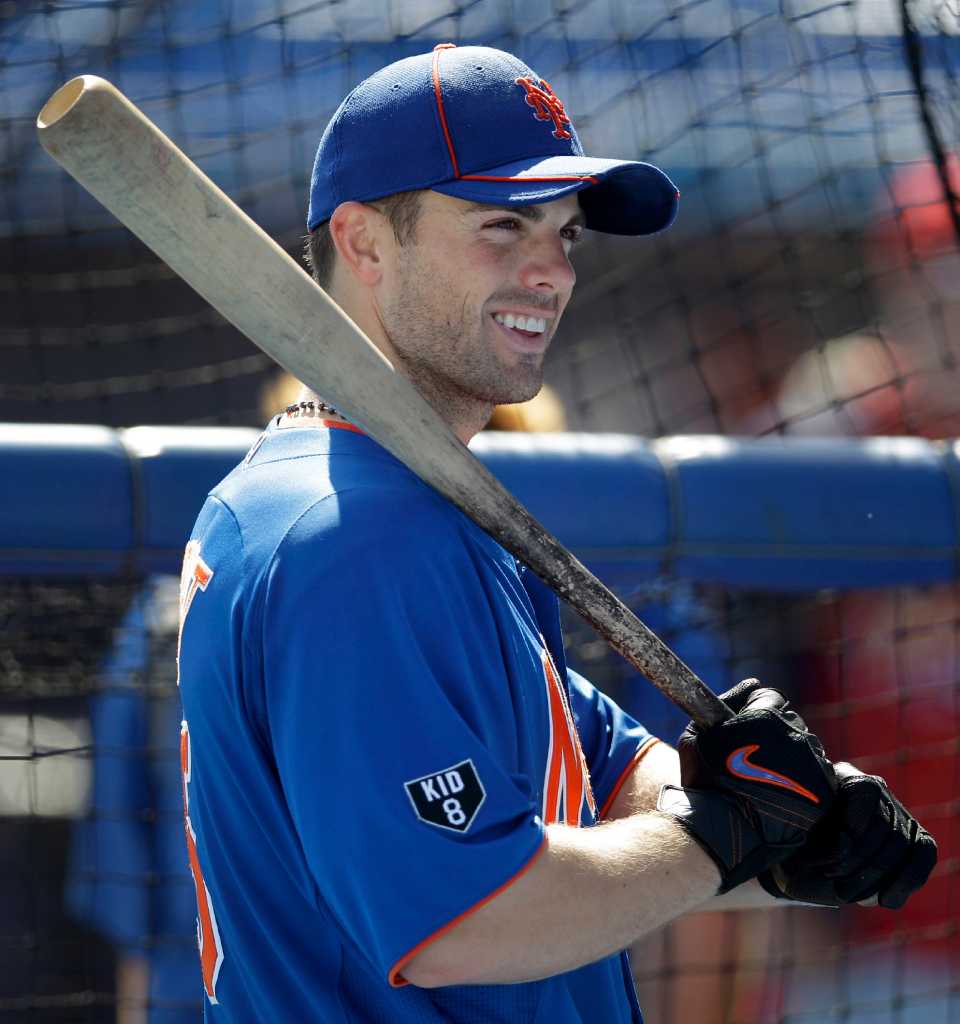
{"type": "Point", "coordinates": [449, 296]}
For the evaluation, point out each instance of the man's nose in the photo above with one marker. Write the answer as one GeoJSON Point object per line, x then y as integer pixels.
{"type": "Point", "coordinates": [547, 267]}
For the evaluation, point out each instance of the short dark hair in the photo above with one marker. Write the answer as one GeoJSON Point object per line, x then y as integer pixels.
{"type": "Point", "coordinates": [402, 209]}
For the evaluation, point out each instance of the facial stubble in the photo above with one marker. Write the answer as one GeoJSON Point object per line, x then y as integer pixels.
{"type": "Point", "coordinates": [449, 352]}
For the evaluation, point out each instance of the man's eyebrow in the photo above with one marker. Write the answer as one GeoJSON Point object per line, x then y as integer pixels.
{"type": "Point", "coordinates": [528, 212]}
{"type": "Point", "coordinates": [533, 213]}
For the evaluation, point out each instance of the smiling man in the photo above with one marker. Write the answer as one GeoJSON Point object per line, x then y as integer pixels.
{"type": "Point", "coordinates": [401, 806]}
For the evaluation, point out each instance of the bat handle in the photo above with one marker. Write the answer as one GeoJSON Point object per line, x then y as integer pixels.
{"type": "Point", "coordinates": [709, 708]}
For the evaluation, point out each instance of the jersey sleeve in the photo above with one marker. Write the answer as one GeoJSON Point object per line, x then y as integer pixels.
{"type": "Point", "coordinates": [613, 742]}
{"type": "Point", "coordinates": [392, 721]}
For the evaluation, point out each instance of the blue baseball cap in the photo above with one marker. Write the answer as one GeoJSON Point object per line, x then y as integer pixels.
{"type": "Point", "coordinates": [478, 124]}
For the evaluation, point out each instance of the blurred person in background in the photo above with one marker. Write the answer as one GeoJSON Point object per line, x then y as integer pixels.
{"type": "Point", "coordinates": [128, 876]}
{"type": "Point", "coordinates": [542, 414]}
{"type": "Point", "coordinates": [883, 665]}
{"type": "Point", "coordinates": [900, 374]}
{"type": "Point", "coordinates": [913, 265]}
{"type": "Point", "coordinates": [881, 679]}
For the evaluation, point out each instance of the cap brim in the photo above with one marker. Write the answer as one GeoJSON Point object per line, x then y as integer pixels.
{"type": "Point", "coordinates": [619, 197]}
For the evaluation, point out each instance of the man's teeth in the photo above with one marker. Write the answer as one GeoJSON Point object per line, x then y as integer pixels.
{"type": "Point", "coordinates": [533, 324]}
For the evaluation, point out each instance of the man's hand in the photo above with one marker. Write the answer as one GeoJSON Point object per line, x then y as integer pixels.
{"type": "Point", "coordinates": [867, 846]}
{"type": "Point", "coordinates": [754, 787]}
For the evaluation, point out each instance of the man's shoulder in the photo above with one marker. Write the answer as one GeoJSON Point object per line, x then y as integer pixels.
{"type": "Point", "coordinates": [319, 506]}
{"type": "Point", "coordinates": [288, 473]}
{"type": "Point", "coordinates": [378, 519]}
{"type": "Point", "coordinates": [373, 547]}
{"type": "Point", "coordinates": [332, 491]}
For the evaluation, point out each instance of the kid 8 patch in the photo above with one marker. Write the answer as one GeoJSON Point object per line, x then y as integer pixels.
{"type": "Point", "coordinates": [448, 799]}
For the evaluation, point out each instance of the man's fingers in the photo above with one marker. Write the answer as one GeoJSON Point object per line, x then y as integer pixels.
{"type": "Point", "coordinates": [915, 871]}
{"type": "Point", "coordinates": [867, 850]}
{"type": "Point", "coordinates": [830, 852]}
{"type": "Point", "coordinates": [886, 861]}
{"type": "Point", "coordinates": [856, 827]}
{"type": "Point", "coordinates": [862, 798]}
{"type": "Point", "coordinates": [737, 696]}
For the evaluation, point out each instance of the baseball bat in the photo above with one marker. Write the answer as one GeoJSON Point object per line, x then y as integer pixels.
{"type": "Point", "coordinates": [140, 176]}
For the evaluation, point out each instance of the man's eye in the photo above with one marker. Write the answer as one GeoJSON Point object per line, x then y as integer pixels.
{"type": "Point", "coordinates": [508, 224]}
{"type": "Point", "coordinates": [573, 234]}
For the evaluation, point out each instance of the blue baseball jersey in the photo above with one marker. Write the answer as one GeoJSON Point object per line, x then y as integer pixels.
{"type": "Point", "coordinates": [378, 725]}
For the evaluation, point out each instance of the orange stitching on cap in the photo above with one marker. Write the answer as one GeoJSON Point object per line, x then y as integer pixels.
{"type": "Point", "coordinates": [524, 177]}
{"type": "Point", "coordinates": [546, 105]}
{"type": "Point", "coordinates": [439, 95]}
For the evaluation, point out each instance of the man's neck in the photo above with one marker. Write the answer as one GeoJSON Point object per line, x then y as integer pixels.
{"type": "Point", "coordinates": [463, 413]}
{"type": "Point", "coordinates": [312, 411]}
{"type": "Point", "coordinates": [309, 410]}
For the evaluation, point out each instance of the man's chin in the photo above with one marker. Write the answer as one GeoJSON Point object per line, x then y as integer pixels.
{"type": "Point", "coordinates": [516, 395]}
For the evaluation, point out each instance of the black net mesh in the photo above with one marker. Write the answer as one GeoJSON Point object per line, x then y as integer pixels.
{"type": "Point", "coordinates": [812, 144]}
{"type": "Point", "coordinates": [810, 285]}
{"type": "Point", "coordinates": [875, 674]}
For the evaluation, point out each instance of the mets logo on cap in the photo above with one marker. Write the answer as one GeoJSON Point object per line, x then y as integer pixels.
{"type": "Point", "coordinates": [546, 105]}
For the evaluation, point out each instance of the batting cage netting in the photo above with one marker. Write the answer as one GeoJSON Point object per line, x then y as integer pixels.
{"type": "Point", "coordinates": [807, 299]}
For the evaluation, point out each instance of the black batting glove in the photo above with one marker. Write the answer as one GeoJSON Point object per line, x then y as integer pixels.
{"type": "Point", "coordinates": [753, 787]}
{"type": "Point", "coordinates": [868, 846]}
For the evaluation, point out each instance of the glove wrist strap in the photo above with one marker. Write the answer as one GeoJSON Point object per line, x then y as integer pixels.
{"type": "Point", "coordinates": [721, 825]}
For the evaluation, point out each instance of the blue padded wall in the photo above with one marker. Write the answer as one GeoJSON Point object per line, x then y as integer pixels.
{"type": "Point", "coordinates": [779, 514]}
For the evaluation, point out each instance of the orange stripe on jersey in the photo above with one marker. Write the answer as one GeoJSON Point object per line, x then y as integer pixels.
{"type": "Point", "coordinates": [185, 764]}
{"type": "Point", "coordinates": [551, 786]}
{"type": "Point", "coordinates": [566, 757]}
{"type": "Point", "coordinates": [567, 779]}
{"type": "Point", "coordinates": [208, 934]}
{"type": "Point", "coordinates": [558, 754]}
{"type": "Point", "coordinates": [194, 575]}
{"type": "Point", "coordinates": [211, 956]}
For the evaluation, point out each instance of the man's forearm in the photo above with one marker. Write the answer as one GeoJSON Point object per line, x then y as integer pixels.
{"type": "Point", "coordinates": [661, 765]}
{"type": "Point", "coordinates": [590, 893]}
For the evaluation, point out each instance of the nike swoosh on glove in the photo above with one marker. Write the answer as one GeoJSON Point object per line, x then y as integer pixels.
{"type": "Point", "coordinates": [753, 787]}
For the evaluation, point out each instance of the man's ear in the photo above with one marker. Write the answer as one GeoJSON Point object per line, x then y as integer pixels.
{"type": "Point", "coordinates": [357, 230]}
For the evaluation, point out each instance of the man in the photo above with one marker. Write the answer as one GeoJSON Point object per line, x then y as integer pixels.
{"type": "Point", "coordinates": [388, 769]}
